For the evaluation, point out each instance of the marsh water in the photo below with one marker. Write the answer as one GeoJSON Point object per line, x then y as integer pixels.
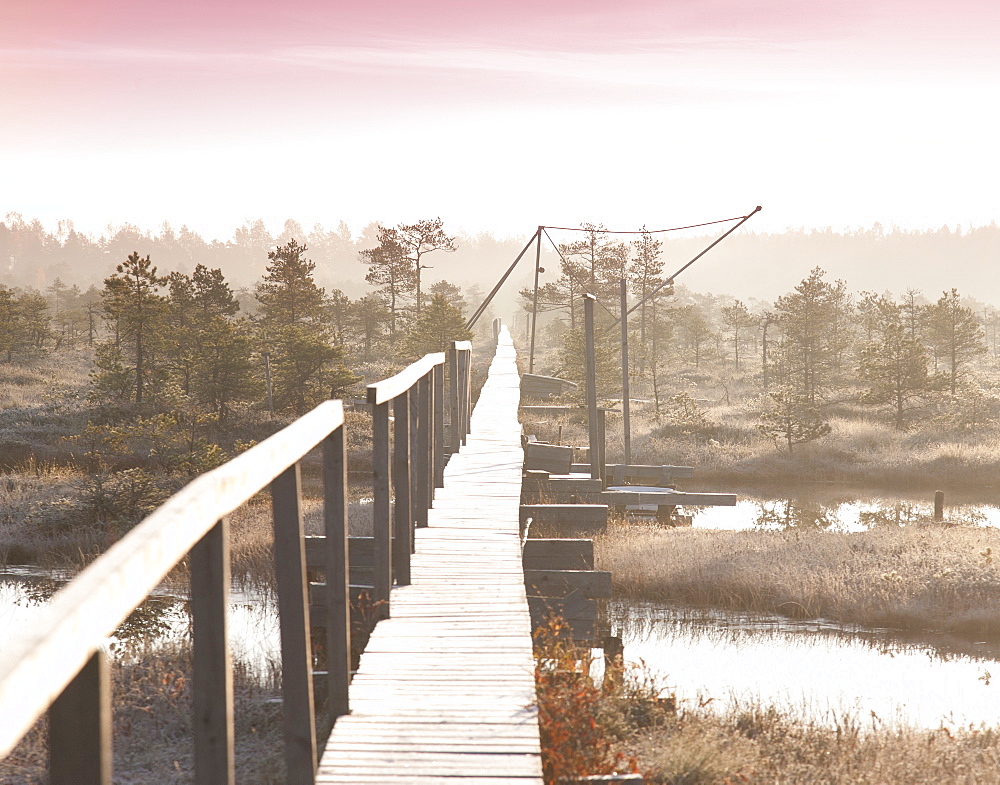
{"type": "Point", "coordinates": [164, 616]}
{"type": "Point", "coordinates": [823, 671]}
{"type": "Point", "coordinates": [838, 508]}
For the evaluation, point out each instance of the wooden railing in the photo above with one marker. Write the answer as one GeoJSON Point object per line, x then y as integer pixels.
{"type": "Point", "coordinates": [59, 664]}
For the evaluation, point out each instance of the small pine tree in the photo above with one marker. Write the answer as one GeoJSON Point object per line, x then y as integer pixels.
{"type": "Point", "coordinates": [136, 310]}
{"type": "Point", "coordinates": [438, 325]}
{"type": "Point", "coordinates": [793, 420]}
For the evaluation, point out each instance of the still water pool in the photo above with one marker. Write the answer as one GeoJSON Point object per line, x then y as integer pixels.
{"type": "Point", "coordinates": [254, 636]}
{"type": "Point", "coordinates": [841, 509]}
{"type": "Point", "coordinates": [819, 670]}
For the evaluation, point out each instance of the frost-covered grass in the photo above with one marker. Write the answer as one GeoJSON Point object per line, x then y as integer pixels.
{"type": "Point", "coordinates": [915, 577]}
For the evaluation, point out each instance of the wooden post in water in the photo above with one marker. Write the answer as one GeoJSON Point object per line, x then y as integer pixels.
{"type": "Point", "coordinates": [590, 373]}
{"type": "Point", "coordinates": [212, 685]}
{"type": "Point", "coordinates": [338, 607]}
{"type": "Point", "coordinates": [381, 524]}
{"type": "Point", "coordinates": [939, 505]}
{"type": "Point", "coordinates": [626, 393]}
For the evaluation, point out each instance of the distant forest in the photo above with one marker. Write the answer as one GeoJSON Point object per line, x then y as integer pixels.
{"type": "Point", "coordinates": [752, 266]}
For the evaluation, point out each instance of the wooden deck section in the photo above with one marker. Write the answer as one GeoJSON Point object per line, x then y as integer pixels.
{"type": "Point", "coordinates": [445, 690]}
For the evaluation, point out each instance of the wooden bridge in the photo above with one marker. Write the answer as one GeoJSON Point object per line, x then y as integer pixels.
{"type": "Point", "coordinates": [444, 690]}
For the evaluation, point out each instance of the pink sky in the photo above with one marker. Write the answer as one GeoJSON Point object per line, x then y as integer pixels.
{"type": "Point", "coordinates": [499, 115]}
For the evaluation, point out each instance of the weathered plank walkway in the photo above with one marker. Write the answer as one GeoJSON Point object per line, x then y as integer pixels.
{"type": "Point", "coordinates": [445, 689]}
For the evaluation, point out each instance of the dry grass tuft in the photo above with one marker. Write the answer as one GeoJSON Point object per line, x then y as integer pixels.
{"type": "Point", "coordinates": [752, 743]}
{"type": "Point", "coordinates": [920, 577]}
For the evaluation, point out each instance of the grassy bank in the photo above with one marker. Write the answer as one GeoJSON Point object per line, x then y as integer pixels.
{"type": "Point", "coordinates": [626, 724]}
{"type": "Point", "coordinates": [755, 744]}
{"type": "Point", "coordinates": [918, 577]}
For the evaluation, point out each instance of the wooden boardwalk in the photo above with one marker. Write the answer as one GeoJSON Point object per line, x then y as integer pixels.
{"type": "Point", "coordinates": [445, 690]}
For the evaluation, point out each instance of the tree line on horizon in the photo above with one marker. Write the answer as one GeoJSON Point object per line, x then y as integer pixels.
{"type": "Point", "coordinates": [750, 264]}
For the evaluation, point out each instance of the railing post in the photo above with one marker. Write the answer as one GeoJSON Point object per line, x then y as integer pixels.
{"type": "Point", "coordinates": [418, 454]}
{"type": "Point", "coordinates": [468, 393]}
{"type": "Point", "coordinates": [338, 600]}
{"type": "Point", "coordinates": [293, 614]}
{"type": "Point", "coordinates": [80, 727]}
{"type": "Point", "coordinates": [439, 398]}
{"type": "Point", "coordinates": [427, 441]}
{"type": "Point", "coordinates": [381, 523]}
{"type": "Point", "coordinates": [212, 688]}
{"type": "Point", "coordinates": [402, 453]}
{"type": "Point", "coordinates": [465, 388]}
{"type": "Point", "coordinates": [454, 435]}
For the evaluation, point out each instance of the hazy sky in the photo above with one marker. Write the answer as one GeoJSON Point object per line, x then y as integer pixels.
{"type": "Point", "coordinates": [499, 116]}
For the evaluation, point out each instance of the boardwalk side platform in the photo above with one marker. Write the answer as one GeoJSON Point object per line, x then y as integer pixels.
{"type": "Point", "coordinates": [445, 689]}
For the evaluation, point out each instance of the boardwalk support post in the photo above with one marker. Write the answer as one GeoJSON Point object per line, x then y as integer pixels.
{"type": "Point", "coordinates": [80, 728]}
{"type": "Point", "coordinates": [381, 478]}
{"type": "Point", "coordinates": [338, 608]}
{"type": "Point", "coordinates": [214, 759]}
{"type": "Point", "coordinates": [293, 614]}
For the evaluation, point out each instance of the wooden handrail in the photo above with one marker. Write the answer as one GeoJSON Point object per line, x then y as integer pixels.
{"type": "Point", "coordinates": [37, 663]}
{"type": "Point", "coordinates": [59, 664]}
{"type": "Point", "coordinates": [387, 389]}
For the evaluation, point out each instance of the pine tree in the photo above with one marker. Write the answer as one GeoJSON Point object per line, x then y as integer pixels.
{"type": "Point", "coordinates": [955, 333]}
{"type": "Point", "coordinates": [391, 271]}
{"type": "Point", "coordinates": [895, 367]}
{"type": "Point", "coordinates": [293, 329]}
{"type": "Point", "coordinates": [813, 324]}
{"type": "Point", "coordinates": [645, 275]}
{"type": "Point", "coordinates": [793, 419]}
{"type": "Point", "coordinates": [12, 328]}
{"type": "Point", "coordinates": [737, 320]}
{"type": "Point", "coordinates": [438, 325]}
{"type": "Point", "coordinates": [419, 239]}
{"type": "Point", "coordinates": [136, 310]}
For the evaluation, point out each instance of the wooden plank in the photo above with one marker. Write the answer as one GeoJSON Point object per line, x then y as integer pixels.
{"type": "Point", "coordinates": [445, 687]}
{"type": "Point", "coordinates": [212, 693]}
{"type": "Point", "coordinates": [570, 484]}
{"type": "Point", "coordinates": [387, 389]}
{"type": "Point", "coordinates": [592, 584]}
{"type": "Point", "coordinates": [548, 457]}
{"type": "Point", "coordinates": [565, 513]}
{"type": "Point", "coordinates": [535, 385]}
{"type": "Point", "coordinates": [625, 495]}
{"type": "Point", "coordinates": [648, 474]}
{"type": "Point", "coordinates": [558, 554]}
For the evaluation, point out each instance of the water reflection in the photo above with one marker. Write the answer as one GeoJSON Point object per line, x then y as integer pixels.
{"type": "Point", "coordinates": [164, 616]}
{"type": "Point", "coordinates": [818, 669]}
{"type": "Point", "coordinates": [839, 510]}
